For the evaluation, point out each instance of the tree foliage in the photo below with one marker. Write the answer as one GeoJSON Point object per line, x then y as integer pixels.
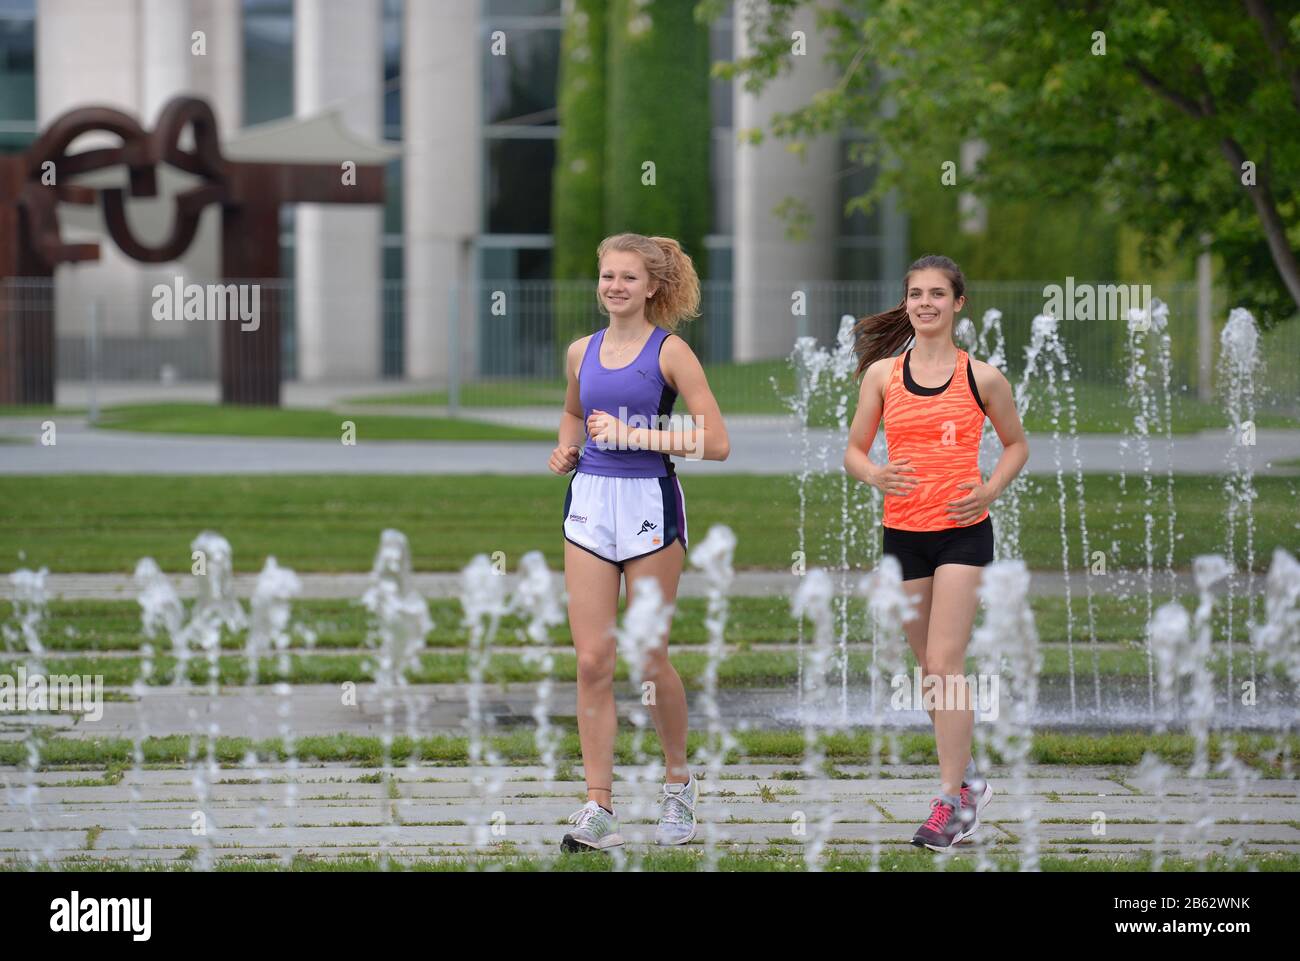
{"type": "Point", "coordinates": [1151, 109]}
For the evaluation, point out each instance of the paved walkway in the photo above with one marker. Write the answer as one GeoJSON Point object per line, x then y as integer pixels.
{"type": "Point", "coordinates": [332, 810]}
{"type": "Point", "coordinates": [693, 584]}
{"type": "Point", "coordinates": [318, 709]}
{"type": "Point", "coordinates": [759, 445]}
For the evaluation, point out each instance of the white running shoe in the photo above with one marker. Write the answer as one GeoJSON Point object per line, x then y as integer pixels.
{"type": "Point", "coordinates": [595, 830]}
{"type": "Point", "coordinates": [677, 813]}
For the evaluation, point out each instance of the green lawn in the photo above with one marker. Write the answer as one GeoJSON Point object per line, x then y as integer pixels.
{"type": "Point", "coordinates": [748, 389]}
{"type": "Point", "coordinates": [333, 523]}
{"type": "Point", "coordinates": [302, 422]}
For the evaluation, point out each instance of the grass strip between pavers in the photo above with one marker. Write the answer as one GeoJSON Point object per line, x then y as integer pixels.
{"type": "Point", "coordinates": [1259, 751]}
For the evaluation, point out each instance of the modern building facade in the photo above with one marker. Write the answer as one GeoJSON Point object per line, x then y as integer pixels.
{"type": "Point", "coordinates": [383, 293]}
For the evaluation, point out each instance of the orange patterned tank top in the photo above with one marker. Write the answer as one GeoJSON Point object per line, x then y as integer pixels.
{"type": "Point", "coordinates": [939, 428]}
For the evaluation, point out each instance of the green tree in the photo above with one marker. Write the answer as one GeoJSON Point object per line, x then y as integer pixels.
{"type": "Point", "coordinates": [658, 113]}
{"type": "Point", "coordinates": [578, 184]}
{"type": "Point", "coordinates": [1184, 117]}
{"type": "Point", "coordinates": [578, 188]}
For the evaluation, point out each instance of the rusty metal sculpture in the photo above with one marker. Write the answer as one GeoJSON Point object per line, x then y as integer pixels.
{"type": "Point", "coordinates": [250, 195]}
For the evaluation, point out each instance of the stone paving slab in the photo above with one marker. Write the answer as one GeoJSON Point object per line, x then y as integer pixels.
{"type": "Point", "coordinates": [757, 447]}
{"type": "Point", "coordinates": [409, 854]}
{"type": "Point", "coordinates": [336, 817]}
{"type": "Point", "coordinates": [442, 709]}
{"type": "Point", "coordinates": [1281, 837]}
{"type": "Point", "coordinates": [371, 838]}
{"type": "Point", "coordinates": [1081, 784]}
{"type": "Point", "coordinates": [308, 810]}
{"type": "Point", "coordinates": [775, 819]}
{"type": "Point", "coordinates": [345, 771]}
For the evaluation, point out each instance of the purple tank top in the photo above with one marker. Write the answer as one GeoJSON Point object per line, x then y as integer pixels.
{"type": "Point", "coordinates": [636, 394]}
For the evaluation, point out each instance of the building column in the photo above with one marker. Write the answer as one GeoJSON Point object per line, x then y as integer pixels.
{"type": "Point", "coordinates": [338, 64]}
{"type": "Point", "coordinates": [219, 75]}
{"type": "Point", "coordinates": [442, 180]}
{"type": "Point", "coordinates": [769, 268]}
{"type": "Point", "coordinates": [87, 52]}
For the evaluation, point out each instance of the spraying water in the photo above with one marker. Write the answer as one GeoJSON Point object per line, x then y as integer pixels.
{"type": "Point", "coordinates": [713, 556]}
{"type": "Point", "coordinates": [1143, 324]}
{"type": "Point", "coordinates": [216, 603]}
{"type": "Point", "coordinates": [538, 598]}
{"type": "Point", "coordinates": [812, 599]}
{"type": "Point", "coordinates": [483, 600]}
{"type": "Point", "coordinates": [991, 346]}
{"type": "Point", "coordinates": [1277, 639]}
{"type": "Point", "coordinates": [890, 607]}
{"type": "Point", "coordinates": [269, 630]}
{"type": "Point", "coordinates": [215, 610]}
{"type": "Point", "coordinates": [1046, 356]}
{"type": "Point", "coordinates": [645, 629]}
{"type": "Point", "coordinates": [1238, 364]}
{"type": "Point", "coordinates": [1207, 570]}
{"type": "Point", "coordinates": [399, 624]}
{"type": "Point", "coordinates": [161, 611]}
{"type": "Point", "coordinates": [1006, 646]}
{"type": "Point", "coordinates": [30, 600]}
{"type": "Point", "coordinates": [808, 362]}
{"type": "Point", "coordinates": [1170, 641]}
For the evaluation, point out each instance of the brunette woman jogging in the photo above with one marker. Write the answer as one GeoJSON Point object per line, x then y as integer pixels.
{"type": "Point", "coordinates": [624, 512]}
{"type": "Point", "coordinates": [934, 398]}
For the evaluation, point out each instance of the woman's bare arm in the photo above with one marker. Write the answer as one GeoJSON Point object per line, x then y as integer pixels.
{"type": "Point", "coordinates": [707, 440]}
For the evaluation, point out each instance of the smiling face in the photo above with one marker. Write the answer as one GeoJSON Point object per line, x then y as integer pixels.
{"type": "Point", "coordinates": [930, 302]}
{"type": "Point", "coordinates": [624, 283]}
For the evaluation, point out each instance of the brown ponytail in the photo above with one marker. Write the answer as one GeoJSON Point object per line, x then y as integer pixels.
{"type": "Point", "coordinates": [886, 333]}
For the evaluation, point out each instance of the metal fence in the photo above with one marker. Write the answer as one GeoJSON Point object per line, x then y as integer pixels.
{"type": "Point", "coordinates": [506, 340]}
{"type": "Point", "coordinates": [514, 353]}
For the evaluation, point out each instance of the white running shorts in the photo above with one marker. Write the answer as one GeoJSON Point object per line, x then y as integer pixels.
{"type": "Point", "coordinates": [621, 518]}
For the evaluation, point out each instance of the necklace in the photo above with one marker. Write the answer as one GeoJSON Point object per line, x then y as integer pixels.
{"type": "Point", "coordinates": [618, 351]}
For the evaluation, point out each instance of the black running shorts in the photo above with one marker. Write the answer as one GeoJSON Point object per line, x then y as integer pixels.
{"type": "Point", "coordinates": [920, 552]}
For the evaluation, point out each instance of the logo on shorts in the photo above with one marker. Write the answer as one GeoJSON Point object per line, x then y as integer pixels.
{"type": "Point", "coordinates": [578, 518]}
{"type": "Point", "coordinates": [646, 526]}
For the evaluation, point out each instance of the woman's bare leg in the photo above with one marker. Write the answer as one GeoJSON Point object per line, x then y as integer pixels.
{"type": "Point", "coordinates": [592, 584]}
{"type": "Point", "coordinates": [952, 615]}
{"type": "Point", "coordinates": [668, 696]}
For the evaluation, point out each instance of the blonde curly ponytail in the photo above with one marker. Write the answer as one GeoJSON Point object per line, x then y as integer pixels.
{"type": "Point", "coordinates": [671, 273]}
